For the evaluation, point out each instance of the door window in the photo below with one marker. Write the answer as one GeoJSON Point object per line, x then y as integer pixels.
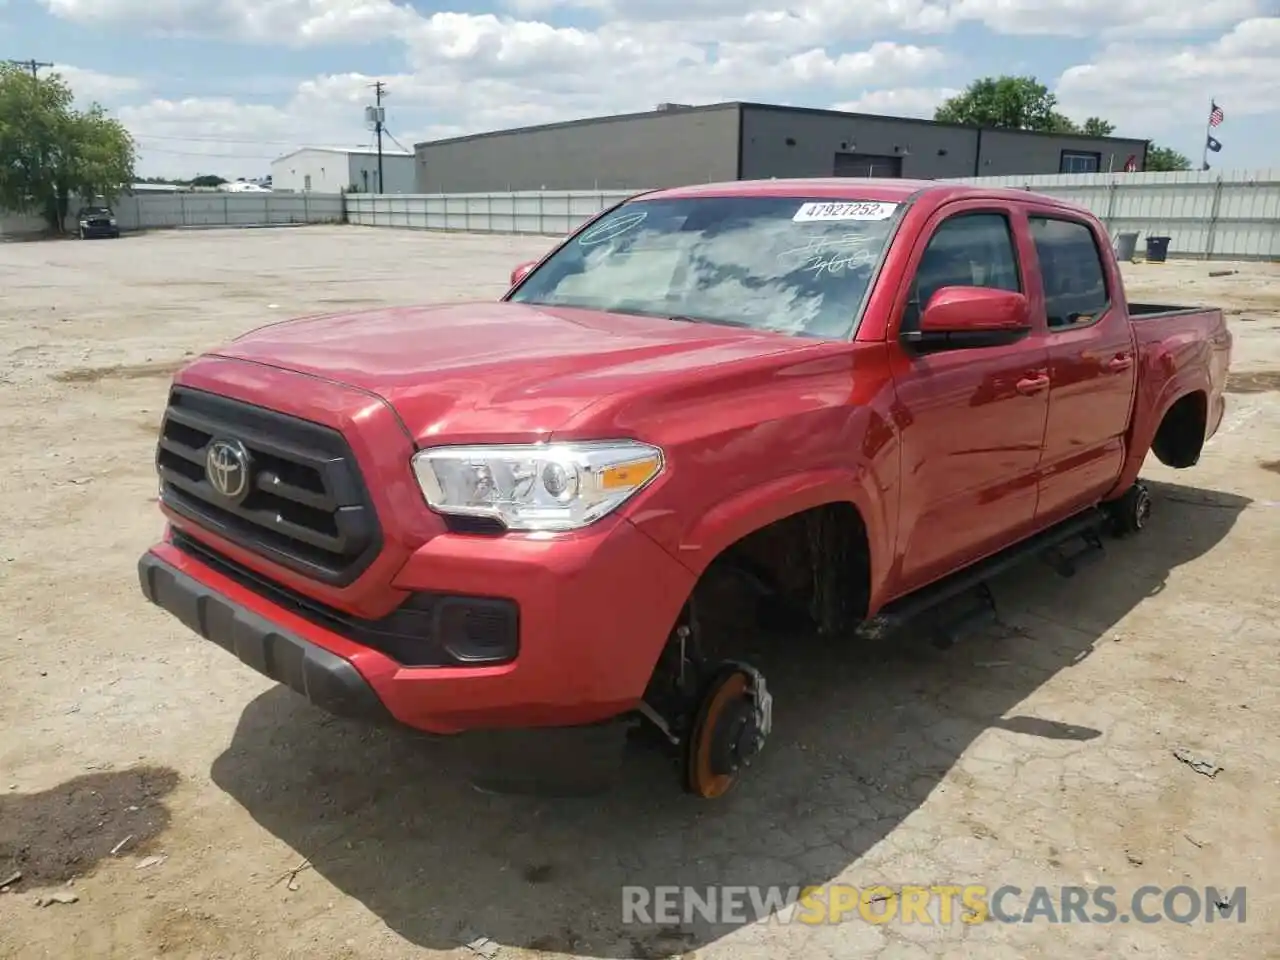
{"type": "Point", "coordinates": [1075, 283]}
{"type": "Point", "coordinates": [967, 250]}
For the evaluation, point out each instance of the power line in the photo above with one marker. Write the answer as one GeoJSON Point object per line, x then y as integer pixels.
{"type": "Point", "coordinates": [203, 153]}
{"type": "Point", "coordinates": [34, 66]}
{"type": "Point", "coordinates": [398, 143]}
{"type": "Point", "coordinates": [201, 139]}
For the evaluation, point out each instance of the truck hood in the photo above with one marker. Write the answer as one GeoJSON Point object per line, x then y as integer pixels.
{"type": "Point", "coordinates": [500, 371]}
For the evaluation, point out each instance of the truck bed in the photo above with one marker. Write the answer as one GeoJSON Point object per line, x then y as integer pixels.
{"type": "Point", "coordinates": [1185, 357]}
{"type": "Point", "coordinates": [1158, 311]}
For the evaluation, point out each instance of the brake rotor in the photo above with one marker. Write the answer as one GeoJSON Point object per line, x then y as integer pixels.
{"type": "Point", "coordinates": [727, 732]}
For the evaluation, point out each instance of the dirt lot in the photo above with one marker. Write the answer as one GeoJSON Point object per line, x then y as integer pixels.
{"type": "Point", "coordinates": [172, 790]}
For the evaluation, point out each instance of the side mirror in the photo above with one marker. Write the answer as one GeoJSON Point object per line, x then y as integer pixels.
{"type": "Point", "coordinates": [957, 318]}
{"type": "Point", "coordinates": [522, 271]}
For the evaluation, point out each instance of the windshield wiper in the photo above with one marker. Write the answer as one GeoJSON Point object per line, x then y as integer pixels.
{"type": "Point", "coordinates": [683, 318]}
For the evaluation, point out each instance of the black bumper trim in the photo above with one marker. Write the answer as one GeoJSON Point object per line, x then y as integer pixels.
{"type": "Point", "coordinates": [327, 680]}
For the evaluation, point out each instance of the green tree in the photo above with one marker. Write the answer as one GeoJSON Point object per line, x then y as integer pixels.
{"type": "Point", "coordinates": [208, 180]}
{"type": "Point", "coordinates": [51, 152]}
{"type": "Point", "coordinates": [1165, 158]}
{"type": "Point", "coordinates": [1015, 103]}
{"type": "Point", "coordinates": [1010, 103]}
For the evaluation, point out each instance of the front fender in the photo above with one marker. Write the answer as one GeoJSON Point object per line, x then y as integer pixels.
{"type": "Point", "coordinates": [756, 507]}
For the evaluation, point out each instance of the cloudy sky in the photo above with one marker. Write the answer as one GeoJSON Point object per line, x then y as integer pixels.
{"type": "Point", "coordinates": [223, 86]}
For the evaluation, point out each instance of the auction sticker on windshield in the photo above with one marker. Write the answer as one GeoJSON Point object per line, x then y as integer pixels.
{"type": "Point", "coordinates": [862, 210]}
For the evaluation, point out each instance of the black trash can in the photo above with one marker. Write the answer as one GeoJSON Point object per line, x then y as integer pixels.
{"type": "Point", "coordinates": [1157, 249]}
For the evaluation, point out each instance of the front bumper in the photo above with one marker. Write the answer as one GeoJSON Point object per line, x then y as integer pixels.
{"type": "Point", "coordinates": [326, 679]}
{"type": "Point", "coordinates": [594, 614]}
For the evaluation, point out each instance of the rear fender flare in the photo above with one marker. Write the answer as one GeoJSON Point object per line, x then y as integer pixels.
{"type": "Point", "coordinates": [1143, 434]}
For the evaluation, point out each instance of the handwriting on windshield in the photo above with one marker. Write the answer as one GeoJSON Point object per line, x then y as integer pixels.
{"type": "Point", "coordinates": [612, 229]}
{"type": "Point", "coordinates": [830, 255]}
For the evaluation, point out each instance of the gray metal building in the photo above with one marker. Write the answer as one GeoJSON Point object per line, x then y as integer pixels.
{"type": "Point", "coordinates": [677, 144]}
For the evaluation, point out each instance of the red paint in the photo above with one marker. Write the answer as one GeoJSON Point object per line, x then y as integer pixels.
{"type": "Point", "coordinates": [975, 310]}
{"type": "Point", "coordinates": [948, 456]}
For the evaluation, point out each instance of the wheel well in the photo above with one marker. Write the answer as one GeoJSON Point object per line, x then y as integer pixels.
{"type": "Point", "coordinates": [816, 561]}
{"type": "Point", "coordinates": [1180, 438]}
{"type": "Point", "coordinates": [807, 572]}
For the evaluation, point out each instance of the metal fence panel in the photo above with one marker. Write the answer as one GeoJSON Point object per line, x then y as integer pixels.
{"type": "Point", "coordinates": [146, 211]}
{"type": "Point", "coordinates": [1211, 214]}
{"type": "Point", "coordinates": [549, 212]}
{"type": "Point", "coordinates": [1219, 215]}
{"type": "Point", "coordinates": [149, 211]}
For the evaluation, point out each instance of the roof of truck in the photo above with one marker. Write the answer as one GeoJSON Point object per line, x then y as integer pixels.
{"type": "Point", "coordinates": [884, 190]}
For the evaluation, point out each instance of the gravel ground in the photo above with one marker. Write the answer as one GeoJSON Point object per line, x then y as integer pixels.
{"type": "Point", "coordinates": [174, 792]}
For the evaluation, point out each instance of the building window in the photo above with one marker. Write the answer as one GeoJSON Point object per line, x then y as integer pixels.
{"type": "Point", "coordinates": [1076, 161]}
{"type": "Point", "coordinates": [306, 182]}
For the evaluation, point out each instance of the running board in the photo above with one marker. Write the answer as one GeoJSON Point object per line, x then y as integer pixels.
{"type": "Point", "coordinates": [1086, 525]}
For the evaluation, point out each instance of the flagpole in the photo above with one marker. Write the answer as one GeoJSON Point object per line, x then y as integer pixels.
{"type": "Point", "coordinates": [1208, 126]}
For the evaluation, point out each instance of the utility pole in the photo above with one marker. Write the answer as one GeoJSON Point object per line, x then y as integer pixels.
{"type": "Point", "coordinates": [379, 89]}
{"type": "Point", "coordinates": [32, 65]}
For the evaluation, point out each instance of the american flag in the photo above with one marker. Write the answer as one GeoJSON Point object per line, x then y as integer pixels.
{"type": "Point", "coordinates": [1215, 115]}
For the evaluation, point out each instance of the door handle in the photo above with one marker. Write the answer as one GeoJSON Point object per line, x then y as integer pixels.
{"type": "Point", "coordinates": [1030, 385]}
{"type": "Point", "coordinates": [1122, 362]}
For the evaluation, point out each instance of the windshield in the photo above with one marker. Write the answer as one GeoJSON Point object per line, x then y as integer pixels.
{"type": "Point", "coordinates": [792, 265]}
{"type": "Point", "coordinates": [95, 212]}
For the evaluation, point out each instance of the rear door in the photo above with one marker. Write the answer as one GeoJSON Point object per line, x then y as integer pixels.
{"type": "Point", "coordinates": [974, 418]}
{"type": "Point", "coordinates": [1092, 363]}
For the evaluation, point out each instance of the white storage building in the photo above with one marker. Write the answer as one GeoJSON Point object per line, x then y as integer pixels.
{"type": "Point", "coordinates": [335, 169]}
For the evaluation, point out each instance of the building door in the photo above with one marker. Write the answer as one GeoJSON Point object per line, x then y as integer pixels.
{"type": "Point", "coordinates": [867, 165]}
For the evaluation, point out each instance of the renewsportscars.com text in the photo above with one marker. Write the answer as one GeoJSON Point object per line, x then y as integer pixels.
{"type": "Point", "coordinates": [930, 904]}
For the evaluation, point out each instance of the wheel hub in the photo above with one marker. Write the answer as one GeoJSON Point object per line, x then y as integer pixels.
{"type": "Point", "coordinates": [728, 731]}
{"type": "Point", "coordinates": [1142, 513]}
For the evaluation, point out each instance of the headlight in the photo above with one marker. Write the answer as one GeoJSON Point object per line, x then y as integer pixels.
{"type": "Point", "coordinates": [556, 486]}
{"type": "Point", "coordinates": [84, 223]}
{"type": "Point", "coordinates": [112, 221]}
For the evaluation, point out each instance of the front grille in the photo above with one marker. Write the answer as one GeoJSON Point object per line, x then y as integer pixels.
{"type": "Point", "coordinates": [306, 507]}
{"type": "Point", "coordinates": [427, 630]}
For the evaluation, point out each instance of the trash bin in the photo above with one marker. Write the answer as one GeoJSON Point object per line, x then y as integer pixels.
{"type": "Point", "coordinates": [1126, 245]}
{"type": "Point", "coordinates": [1157, 249]}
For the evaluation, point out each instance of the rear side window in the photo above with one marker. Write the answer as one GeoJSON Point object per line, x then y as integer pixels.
{"type": "Point", "coordinates": [1075, 283]}
{"type": "Point", "coordinates": [967, 250]}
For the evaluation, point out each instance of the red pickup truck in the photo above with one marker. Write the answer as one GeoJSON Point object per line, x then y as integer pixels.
{"type": "Point", "coordinates": [851, 399]}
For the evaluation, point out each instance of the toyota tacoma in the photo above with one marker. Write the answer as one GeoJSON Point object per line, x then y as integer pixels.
{"type": "Point", "coordinates": [851, 399]}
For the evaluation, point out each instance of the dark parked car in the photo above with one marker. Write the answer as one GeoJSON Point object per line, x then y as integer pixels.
{"type": "Point", "coordinates": [97, 222]}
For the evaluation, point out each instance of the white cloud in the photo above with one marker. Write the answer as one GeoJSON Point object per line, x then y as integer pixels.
{"type": "Point", "coordinates": [1144, 88]}
{"type": "Point", "coordinates": [466, 72]}
{"type": "Point", "coordinates": [476, 77]}
{"type": "Point", "coordinates": [1084, 18]}
{"type": "Point", "coordinates": [91, 85]}
{"type": "Point", "coordinates": [800, 23]}
{"type": "Point", "coordinates": [899, 101]}
{"type": "Point", "coordinates": [264, 21]}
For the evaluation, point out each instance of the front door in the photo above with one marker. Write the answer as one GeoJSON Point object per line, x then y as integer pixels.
{"type": "Point", "coordinates": [1092, 365]}
{"type": "Point", "coordinates": [974, 419]}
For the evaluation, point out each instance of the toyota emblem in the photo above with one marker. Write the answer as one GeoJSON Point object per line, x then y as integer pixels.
{"type": "Point", "coordinates": [226, 464]}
